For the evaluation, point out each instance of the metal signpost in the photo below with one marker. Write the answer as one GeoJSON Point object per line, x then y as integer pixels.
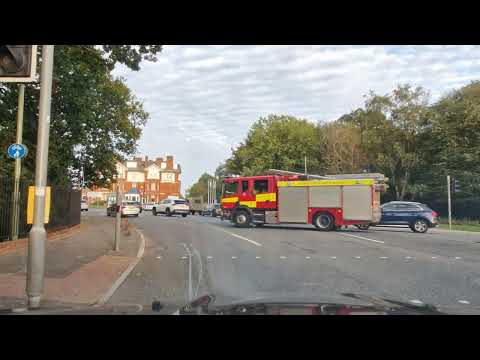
{"type": "Point", "coordinates": [118, 218]}
{"type": "Point", "coordinates": [449, 203]}
{"type": "Point", "coordinates": [17, 151]}
{"type": "Point", "coordinates": [38, 234]}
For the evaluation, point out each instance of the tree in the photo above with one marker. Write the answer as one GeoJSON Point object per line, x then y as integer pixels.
{"type": "Point", "coordinates": [451, 143]}
{"type": "Point", "coordinates": [342, 148]}
{"type": "Point", "coordinates": [95, 118]}
{"type": "Point", "coordinates": [391, 127]}
{"type": "Point", "coordinates": [280, 142]}
{"type": "Point", "coordinates": [200, 188]}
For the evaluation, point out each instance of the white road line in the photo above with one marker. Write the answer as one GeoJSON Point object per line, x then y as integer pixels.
{"type": "Point", "coordinates": [417, 302]}
{"type": "Point", "coordinates": [283, 257]}
{"type": "Point", "coordinates": [234, 257]}
{"type": "Point", "coordinates": [383, 257]}
{"type": "Point", "coordinates": [363, 238]}
{"type": "Point", "coordinates": [333, 257]}
{"type": "Point", "coordinates": [434, 257]}
{"type": "Point", "coordinates": [159, 257]}
{"type": "Point", "coordinates": [258, 257]}
{"type": "Point", "coordinates": [464, 302]}
{"type": "Point", "coordinates": [408, 257]}
{"type": "Point", "coordinates": [307, 257]}
{"type": "Point", "coordinates": [240, 237]}
{"type": "Point", "coordinates": [209, 257]}
{"type": "Point", "coordinates": [184, 257]}
{"type": "Point", "coordinates": [458, 258]}
{"type": "Point", "coordinates": [357, 257]}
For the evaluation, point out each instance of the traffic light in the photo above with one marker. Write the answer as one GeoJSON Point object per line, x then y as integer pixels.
{"type": "Point", "coordinates": [456, 186]}
{"type": "Point", "coordinates": [18, 63]}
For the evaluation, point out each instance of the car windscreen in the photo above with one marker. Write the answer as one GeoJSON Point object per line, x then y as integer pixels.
{"type": "Point", "coordinates": [179, 202]}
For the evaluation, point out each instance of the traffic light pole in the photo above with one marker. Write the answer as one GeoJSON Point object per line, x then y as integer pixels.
{"type": "Point", "coordinates": [449, 204]}
{"type": "Point", "coordinates": [18, 165]}
{"type": "Point", "coordinates": [38, 234]}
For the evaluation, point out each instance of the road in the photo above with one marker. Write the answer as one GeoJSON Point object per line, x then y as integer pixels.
{"type": "Point", "coordinates": [438, 267]}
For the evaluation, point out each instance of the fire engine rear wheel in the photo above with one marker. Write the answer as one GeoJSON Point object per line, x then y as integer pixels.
{"type": "Point", "coordinates": [324, 221]}
{"type": "Point", "coordinates": [241, 218]}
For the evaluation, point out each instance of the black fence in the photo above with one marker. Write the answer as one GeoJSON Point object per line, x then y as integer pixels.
{"type": "Point", "coordinates": [64, 208]}
{"type": "Point", "coordinates": [462, 208]}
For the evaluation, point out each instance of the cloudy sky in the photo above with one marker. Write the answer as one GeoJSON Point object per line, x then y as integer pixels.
{"type": "Point", "coordinates": [203, 99]}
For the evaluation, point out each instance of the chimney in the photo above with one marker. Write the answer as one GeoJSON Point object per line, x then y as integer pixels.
{"type": "Point", "coordinates": [159, 161]}
{"type": "Point", "coordinates": [169, 162]}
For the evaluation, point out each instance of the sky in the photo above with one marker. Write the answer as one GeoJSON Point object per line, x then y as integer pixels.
{"type": "Point", "coordinates": [203, 99]}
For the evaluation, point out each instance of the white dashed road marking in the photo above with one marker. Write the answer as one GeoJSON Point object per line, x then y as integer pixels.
{"type": "Point", "coordinates": [283, 257]}
{"type": "Point", "coordinates": [458, 258]}
{"type": "Point", "coordinates": [240, 237]}
{"type": "Point", "coordinates": [417, 302]}
{"type": "Point", "coordinates": [408, 257]}
{"type": "Point", "coordinates": [363, 238]}
{"type": "Point", "coordinates": [357, 257]}
{"type": "Point", "coordinates": [307, 257]}
{"type": "Point", "coordinates": [258, 257]}
{"type": "Point", "coordinates": [434, 257]}
{"type": "Point", "coordinates": [464, 302]}
{"type": "Point", "coordinates": [209, 257]}
{"type": "Point", "coordinates": [159, 257]}
{"type": "Point", "coordinates": [333, 257]}
{"type": "Point", "coordinates": [184, 257]}
{"type": "Point", "coordinates": [383, 257]}
{"type": "Point", "coordinates": [234, 257]}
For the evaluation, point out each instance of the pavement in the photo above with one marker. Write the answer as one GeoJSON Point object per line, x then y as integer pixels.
{"type": "Point", "coordinates": [189, 257]}
{"type": "Point", "coordinates": [81, 267]}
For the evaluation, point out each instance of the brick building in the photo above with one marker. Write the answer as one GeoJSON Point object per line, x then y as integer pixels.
{"type": "Point", "coordinates": [154, 180]}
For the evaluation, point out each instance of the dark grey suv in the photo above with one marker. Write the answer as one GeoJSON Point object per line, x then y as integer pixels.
{"type": "Point", "coordinates": [419, 217]}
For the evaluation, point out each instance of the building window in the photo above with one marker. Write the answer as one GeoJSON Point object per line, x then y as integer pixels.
{"type": "Point", "coordinates": [152, 187]}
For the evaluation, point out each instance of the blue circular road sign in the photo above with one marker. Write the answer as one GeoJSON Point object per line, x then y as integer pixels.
{"type": "Point", "coordinates": [17, 151]}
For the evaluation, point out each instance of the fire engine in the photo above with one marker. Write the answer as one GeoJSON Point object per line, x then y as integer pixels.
{"type": "Point", "coordinates": [283, 197]}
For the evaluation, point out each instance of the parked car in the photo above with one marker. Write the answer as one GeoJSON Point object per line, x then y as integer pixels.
{"type": "Point", "coordinates": [171, 207]}
{"type": "Point", "coordinates": [128, 208]}
{"type": "Point", "coordinates": [417, 216]}
{"type": "Point", "coordinates": [149, 206]}
{"type": "Point", "coordinates": [212, 210]}
{"type": "Point", "coordinates": [84, 205]}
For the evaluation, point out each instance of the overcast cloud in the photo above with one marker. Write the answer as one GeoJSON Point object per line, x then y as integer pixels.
{"type": "Point", "coordinates": [203, 99]}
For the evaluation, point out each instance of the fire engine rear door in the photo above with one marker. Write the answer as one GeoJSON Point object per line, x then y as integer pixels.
{"type": "Point", "coordinates": [357, 202]}
{"type": "Point", "coordinates": [293, 204]}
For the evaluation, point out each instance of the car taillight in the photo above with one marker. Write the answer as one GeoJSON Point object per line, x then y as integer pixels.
{"type": "Point", "coordinates": [434, 214]}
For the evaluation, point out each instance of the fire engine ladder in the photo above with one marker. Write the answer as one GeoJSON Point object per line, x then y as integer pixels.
{"type": "Point", "coordinates": [380, 179]}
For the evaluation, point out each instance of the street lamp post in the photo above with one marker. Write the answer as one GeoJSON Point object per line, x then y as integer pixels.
{"type": "Point", "coordinates": [38, 234]}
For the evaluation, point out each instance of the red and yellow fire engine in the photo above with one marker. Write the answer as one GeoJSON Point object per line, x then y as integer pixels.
{"type": "Point", "coordinates": [282, 197]}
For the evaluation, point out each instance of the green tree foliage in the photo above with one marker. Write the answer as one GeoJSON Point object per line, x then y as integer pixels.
{"type": "Point", "coordinates": [279, 142]}
{"type": "Point", "coordinates": [200, 187]}
{"type": "Point", "coordinates": [451, 143]}
{"type": "Point", "coordinates": [95, 119]}
{"type": "Point", "coordinates": [390, 127]}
